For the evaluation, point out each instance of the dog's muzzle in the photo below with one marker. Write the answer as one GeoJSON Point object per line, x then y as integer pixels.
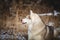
{"type": "Point", "coordinates": [23, 22]}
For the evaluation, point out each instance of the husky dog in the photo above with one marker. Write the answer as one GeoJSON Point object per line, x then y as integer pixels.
{"type": "Point", "coordinates": [37, 30]}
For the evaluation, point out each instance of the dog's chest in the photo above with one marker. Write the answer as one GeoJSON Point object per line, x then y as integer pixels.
{"type": "Point", "coordinates": [30, 27]}
{"type": "Point", "coordinates": [29, 30]}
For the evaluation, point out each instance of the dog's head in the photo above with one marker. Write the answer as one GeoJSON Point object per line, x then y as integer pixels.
{"type": "Point", "coordinates": [32, 18]}
{"type": "Point", "coordinates": [26, 20]}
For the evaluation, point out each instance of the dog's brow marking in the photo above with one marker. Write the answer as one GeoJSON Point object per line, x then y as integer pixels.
{"type": "Point", "coordinates": [28, 16]}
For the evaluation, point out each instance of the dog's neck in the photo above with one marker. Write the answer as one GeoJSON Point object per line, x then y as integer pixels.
{"type": "Point", "coordinates": [35, 25]}
{"type": "Point", "coordinates": [30, 26]}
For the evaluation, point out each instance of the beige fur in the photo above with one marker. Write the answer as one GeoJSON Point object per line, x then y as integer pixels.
{"type": "Point", "coordinates": [38, 28]}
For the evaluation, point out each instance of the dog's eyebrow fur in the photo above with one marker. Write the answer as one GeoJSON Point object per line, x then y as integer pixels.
{"type": "Point", "coordinates": [28, 16]}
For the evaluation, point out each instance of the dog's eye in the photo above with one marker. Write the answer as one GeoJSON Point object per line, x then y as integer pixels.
{"type": "Point", "coordinates": [29, 17]}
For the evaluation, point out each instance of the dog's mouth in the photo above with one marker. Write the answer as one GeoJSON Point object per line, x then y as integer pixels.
{"type": "Point", "coordinates": [24, 22]}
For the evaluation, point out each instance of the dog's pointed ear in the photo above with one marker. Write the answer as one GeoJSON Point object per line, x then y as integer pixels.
{"type": "Point", "coordinates": [31, 12]}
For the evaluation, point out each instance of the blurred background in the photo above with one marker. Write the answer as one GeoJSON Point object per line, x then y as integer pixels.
{"type": "Point", "coordinates": [12, 11]}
